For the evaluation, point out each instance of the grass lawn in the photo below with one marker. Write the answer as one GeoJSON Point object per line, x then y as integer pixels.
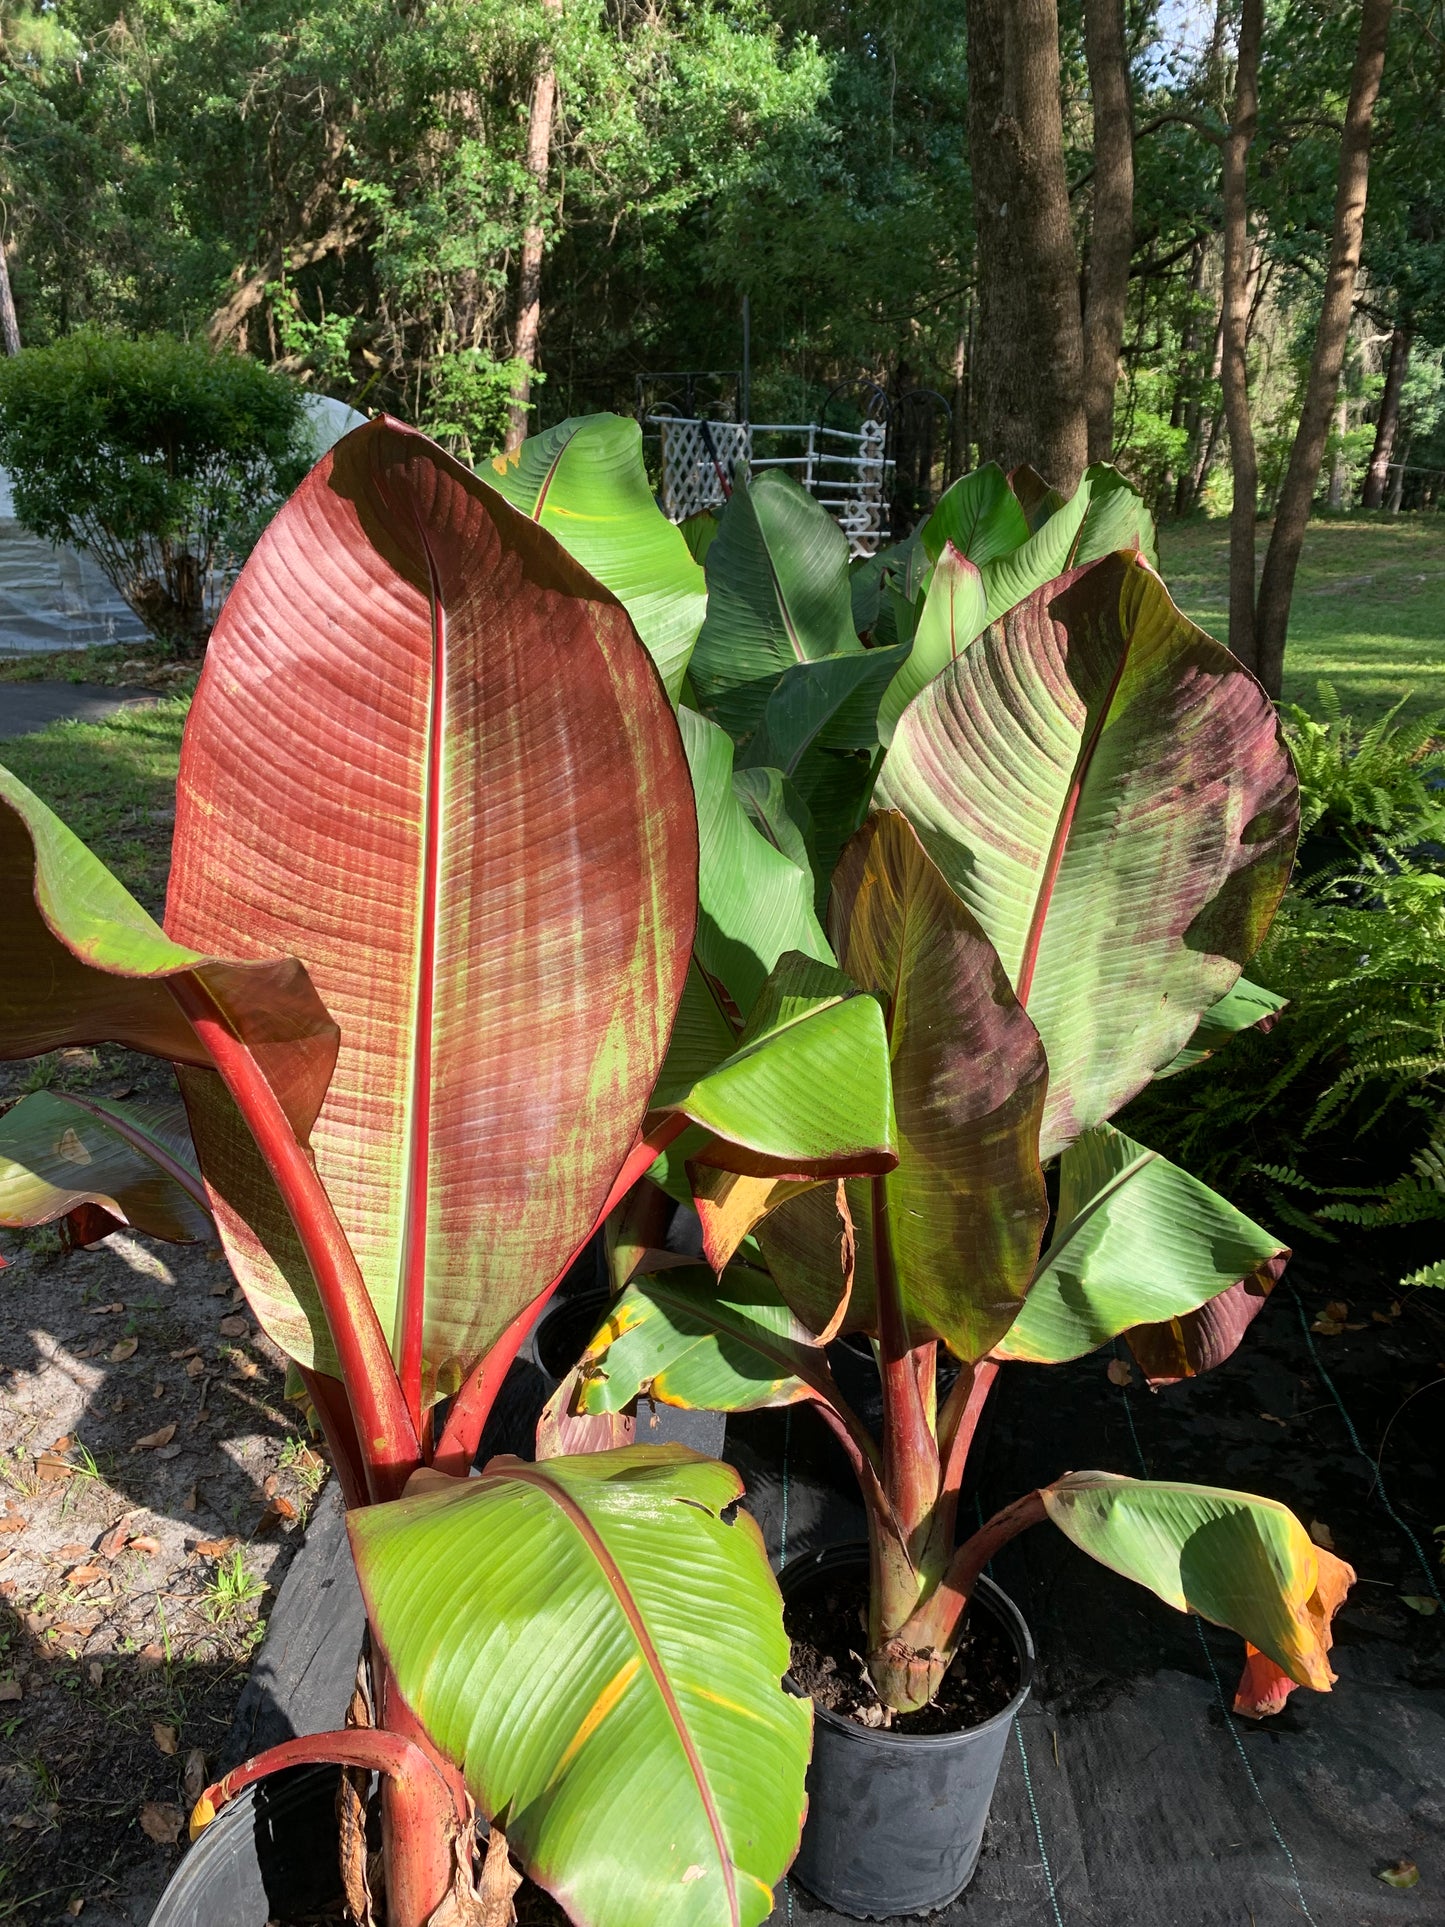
{"type": "Point", "coordinates": [114, 784]}
{"type": "Point", "coordinates": [1368, 612]}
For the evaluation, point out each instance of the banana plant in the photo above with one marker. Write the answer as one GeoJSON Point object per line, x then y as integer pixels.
{"type": "Point", "coordinates": [808, 666]}
{"type": "Point", "coordinates": [424, 977]}
{"type": "Point", "coordinates": [1080, 831]}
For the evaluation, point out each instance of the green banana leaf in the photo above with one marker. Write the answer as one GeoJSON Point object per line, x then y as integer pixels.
{"type": "Point", "coordinates": [1241, 1561]}
{"type": "Point", "coordinates": [955, 611]}
{"type": "Point", "coordinates": [979, 515]}
{"type": "Point", "coordinates": [753, 902]}
{"type": "Point", "coordinates": [687, 1338]}
{"type": "Point", "coordinates": [968, 1089]}
{"type": "Point", "coordinates": [429, 752]}
{"type": "Point", "coordinates": [778, 595]}
{"type": "Point", "coordinates": [804, 1089]}
{"type": "Point", "coordinates": [1246, 1007]}
{"type": "Point", "coordinates": [82, 963]}
{"type": "Point", "coordinates": [1103, 514]}
{"type": "Point", "coordinates": [585, 482]}
{"type": "Point", "coordinates": [1136, 1241]}
{"type": "Point", "coordinates": [101, 1165]}
{"type": "Point", "coordinates": [644, 1759]}
{"type": "Point", "coordinates": [1108, 792]}
{"type": "Point", "coordinates": [775, 807]}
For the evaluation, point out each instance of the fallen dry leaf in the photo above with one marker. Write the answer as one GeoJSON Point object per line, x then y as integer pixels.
{"type": "Point", "coordinates": [244, 1367]}
{"type": "Point", "coordinates": [269, 1485]}
{"type": "Point", "coordinates": [1404, 1873]}
{"type": "Point", "coordinates": [95, 1673]}
{"type": "Point", "coordinates": [192, 1500]}
{"type": "Point", "coordinates": [195, 1367]}
{"type": "Point", "coordinates": [164, 1736]}
{"type": "Point", "coordinates": [149, 1657]}
{"type": "Point", "coordinates": [1121, 1372]}
{"type": "Point", "coordinates": [214, 1548]}
{"type": "Point", "coordinates": [273, 1517]}
{"type": "Point", "coordinates": [83, 1575]}
{"type": "Point", "coordinates": [1328, 1327]}
{"type": "Point", "coordinates": [220, 1291]}
{"type": "Point", "coordinates": [75, 1906]}
{"type": "Point", "coordinates": [122, 1350]}
{"type": "Point", "coordinates": [144, 1544]}
{"type": "Point", "coordinates": [11, 1689]}
{"type": "Point", "coordinates": [13, 1522]}
{"type": "Point", "coordinates": [115, 1539]}
{"type": "Point", "coordinates": [154, 1440]}
{"type": "Point", "coordinates": [233, 1327]}
{"type": "Point", "coordinates": [187, 1351]}
{"type": "Point", "coordinates": [1270, 1419]}
{"type": "Point", "coordinates": [69, 1554]}
{"type": "Point", "coordinates": [1322, 1535]}
{"type": "Point", "coordinates": [161, 1823]}
{"type": "Point", "coordinates": [50, 1467]}
{"type": "Point", "coordinates": [106, 1311]}
{"type": "Point", "coordinates": [193, 1779]}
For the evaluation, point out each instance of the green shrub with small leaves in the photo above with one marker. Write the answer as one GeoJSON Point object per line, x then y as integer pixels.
{"type": "Point", "coordinates": [161, 458]}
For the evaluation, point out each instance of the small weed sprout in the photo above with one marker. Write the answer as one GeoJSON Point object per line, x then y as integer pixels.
{"type": "Point", "coordinates": [232, 1588]}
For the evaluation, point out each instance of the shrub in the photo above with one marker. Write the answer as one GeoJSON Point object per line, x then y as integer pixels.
{"type": "Point", "coordinates": [161, 458]}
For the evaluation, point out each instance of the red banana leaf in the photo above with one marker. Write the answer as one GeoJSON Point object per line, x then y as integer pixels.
{"type": "Point", "coordinates": [429, 755]}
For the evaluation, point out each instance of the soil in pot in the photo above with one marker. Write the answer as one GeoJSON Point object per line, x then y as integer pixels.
{"type": "Point", "coordinates": [827, 1623]}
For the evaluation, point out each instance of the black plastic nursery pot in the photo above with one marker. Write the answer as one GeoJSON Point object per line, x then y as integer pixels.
{"type": "Point", "coordinates": [269, 1855]}
{"type": "Point", "coordinates": [895, 1820]}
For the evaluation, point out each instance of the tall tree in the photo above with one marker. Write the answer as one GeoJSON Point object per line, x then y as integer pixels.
{"type": "Point", "coordinates": [1234, 369]}
{"type": "Point", "coordinates": [9, 322]}
{"type": "Point", "coordinates": [1111, 234]}
{"type": "Point", "coordinates": [1388, 422]}
{"type": "Point", "coordinates": [529, 277]}
{"type": "Point", "coordinates": [1030, 334]}
{"type": "Point", "coordinates": [1276, 587]}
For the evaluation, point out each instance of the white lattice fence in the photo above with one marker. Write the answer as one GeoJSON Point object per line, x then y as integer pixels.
{"type": "Point", "coordinates": [845, 471]}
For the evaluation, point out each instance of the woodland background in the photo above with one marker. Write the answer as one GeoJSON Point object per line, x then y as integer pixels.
{"type": "Point", "coordinates": [1020, 206]}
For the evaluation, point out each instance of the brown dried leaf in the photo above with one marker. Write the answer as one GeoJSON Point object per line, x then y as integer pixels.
{"type": "Point", "coordinates": [84, 1575]}
{"type": "Point", "coordinates": [165, 1737]}
{"type": "Point", "coordinates": [244, 1367]}
{"type": "Point", "coordinates": [95, 1673]}
{"type": "Point", "coordinates": [192, 1500]}
{"type": "Point", "coordinates": [106, 1311]}
{"type": "Point", "coordinates": [214, 1548]}
{"type": "Point", "coordinates": [233, 1327]}
{"type": "Point", "coordinates": [11, 1689]}
{"type": "Point", "coordinates": [500, 1880]}
{"type": "Point", "coordinates": [193, 1779]}
{"type": "Point", "coordinates": [50, 1467]}
{"type": "Point", "coordinates": [220, 1291]}
{"type": "Point", "coordinates": [123, 1349]}
{"type": "Point", "coordinates": [153, 1441]}
{"type": "Point", "coordinates": [1121, 1372]}
{"type": "Point", "coordinates": [13, 1522]}
{"type": "Point", "coordinates": [115, 1539]}
{"type": "Point", "coordinates": [144, 1544]}
{"type": "Point", "coordinates": [75, 1906]}
{"type": "Point", "coordinates": [195, 1367]}
{"type": "Point", "coordinates": [150, 1656]}
{"type": "Point", "coordinates": [1322, 1535]}
{"type": "Point", "coordinates": [187, 1351]}
{"type": "Point", "coordinates": [161, 1823]}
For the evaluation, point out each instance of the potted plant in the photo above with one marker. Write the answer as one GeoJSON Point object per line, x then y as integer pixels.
{"type": "Point", "coordinates": [431, 908]}
{"type": "Point", "coordinates": [1079, 833]}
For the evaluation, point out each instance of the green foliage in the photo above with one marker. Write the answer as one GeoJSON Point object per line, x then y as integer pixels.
{"type": "Point", "coordinates": [1315, 1120]}
{"type": "Point", "coordinates": [1362, 784]}
{"type": "Point", "coordinates": [163, 459]}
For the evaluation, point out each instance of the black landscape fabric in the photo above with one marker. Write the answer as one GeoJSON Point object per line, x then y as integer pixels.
{"type": "Point", "coordinates": [1130, 1794]}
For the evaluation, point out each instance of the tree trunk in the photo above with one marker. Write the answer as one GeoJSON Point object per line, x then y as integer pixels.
{"type": "Point", "coordinates": [529, 278]}
{"type": "Point", "coordinates": [1233, 367]}
{"type": "Point", "coordinates": [1337, 466]}
{"type": "Point", "coordinates": [1111, 239]}
{"type": "Point", "coordinates": [958, 425]}
{"type": "Point", "coordinates": [1030, 333]}
{"type": "Point", "coordinates": [1388, 425]}
{"type": "Point", "coordinates": [1397, 487]}
{"type": "Point", "coordinates": [1282, 558]}
{"type": "Point", "coordinates": [9, 324]}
